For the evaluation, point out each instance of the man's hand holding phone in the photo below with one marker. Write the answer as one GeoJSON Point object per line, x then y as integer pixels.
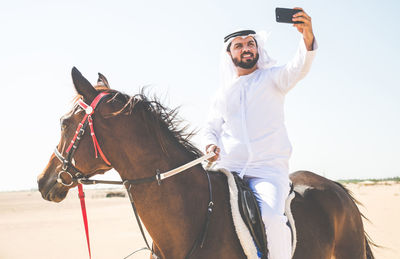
{"type": "Point", "coordinates": [301, 20]}
{"type": "Point", "coordinates": [305, 27]}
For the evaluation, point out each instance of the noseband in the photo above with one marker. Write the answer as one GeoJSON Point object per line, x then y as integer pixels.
{"type": "Point", "coordinates": [68, 166]}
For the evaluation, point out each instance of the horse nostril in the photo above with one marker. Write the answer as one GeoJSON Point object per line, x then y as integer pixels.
{"type": "Point", "coordinates": [40, 182]}
{"type": "Point", "coordinates": [44, 182]}
{"type": "Point", "coordinates": [40, 176]}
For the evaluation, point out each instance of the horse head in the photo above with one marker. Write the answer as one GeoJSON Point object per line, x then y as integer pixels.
{"type": "Point", "coordinates": [138, 135]}
{"type": "Point", "coordinates": [74, 155]}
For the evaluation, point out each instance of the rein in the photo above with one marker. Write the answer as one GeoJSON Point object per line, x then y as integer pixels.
{"type": "Point", "coordinates": [76, 176]}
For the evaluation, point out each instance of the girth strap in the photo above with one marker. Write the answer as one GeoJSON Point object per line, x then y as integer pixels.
{"type": "Point", "coordinates": [202, 237]}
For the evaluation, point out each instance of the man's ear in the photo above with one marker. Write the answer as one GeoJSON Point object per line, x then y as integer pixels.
{"type": "Point", "coordinates": [102, 80]}
{"type": "Point", "coordinates": [83, 86]}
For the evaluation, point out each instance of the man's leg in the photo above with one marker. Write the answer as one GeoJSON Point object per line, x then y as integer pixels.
{"type": "Point", "coordinates": [271, 196]}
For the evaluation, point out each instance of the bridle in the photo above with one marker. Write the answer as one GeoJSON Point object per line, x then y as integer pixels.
{"type": "Point", "coordinates": [77, 176]}
{"type": "Point", "coordinates": [68, 166]}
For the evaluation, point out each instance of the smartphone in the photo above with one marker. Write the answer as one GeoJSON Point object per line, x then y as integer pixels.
{"type": "Point", "coordinates": [285, 15]}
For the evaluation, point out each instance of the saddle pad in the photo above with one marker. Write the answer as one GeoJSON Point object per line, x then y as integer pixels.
{"type": "Point", "coordinates": [241, 229]}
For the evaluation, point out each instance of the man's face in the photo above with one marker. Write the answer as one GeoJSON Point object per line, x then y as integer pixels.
{"type": "Point", "coordinates": [244, 52]}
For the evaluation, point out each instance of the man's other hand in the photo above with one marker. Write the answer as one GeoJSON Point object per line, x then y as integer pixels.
{"type": "Point", "coordinates": [305, 27]}
{"type": "Point", "coordinates": [213, 148]}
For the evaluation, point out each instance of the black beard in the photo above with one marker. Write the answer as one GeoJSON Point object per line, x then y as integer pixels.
{"type": "Point", "coordinates": [245, 64]}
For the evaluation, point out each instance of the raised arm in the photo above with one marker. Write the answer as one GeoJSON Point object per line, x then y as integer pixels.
{"type": "Point", "coordinates": [304, 28]}
{"type": "Point", "coordinates": [286, 77]}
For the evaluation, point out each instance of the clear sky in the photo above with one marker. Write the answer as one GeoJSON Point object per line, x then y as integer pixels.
{"type": "Point", "coordinates": [342, 119]}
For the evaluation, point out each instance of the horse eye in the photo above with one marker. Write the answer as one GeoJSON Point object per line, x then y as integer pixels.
{"type": "Point", "coordinates": [63, 124]}
{"type": "Point", "coordinates": [63, 127]}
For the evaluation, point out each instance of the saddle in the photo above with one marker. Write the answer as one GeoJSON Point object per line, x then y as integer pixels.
{"type": "Point", "coordinates": [247, 218]}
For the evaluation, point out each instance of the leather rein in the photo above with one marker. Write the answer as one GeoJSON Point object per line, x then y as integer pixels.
{"type": "Point", "coordinates": [76, 176]}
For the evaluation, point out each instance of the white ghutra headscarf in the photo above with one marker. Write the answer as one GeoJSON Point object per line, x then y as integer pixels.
{"type": "Point", "coordinates": [228, 72]}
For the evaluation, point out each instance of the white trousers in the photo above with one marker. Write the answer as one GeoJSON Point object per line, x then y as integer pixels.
{"type": "Point", "coordinates": [271, 195]}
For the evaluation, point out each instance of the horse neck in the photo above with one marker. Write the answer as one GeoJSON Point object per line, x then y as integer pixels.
{"type": "Point", "coordinates": [175, 208]}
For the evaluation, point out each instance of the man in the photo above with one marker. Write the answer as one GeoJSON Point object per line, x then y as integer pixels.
{"type": "Point", "coordinates": [246, 126]}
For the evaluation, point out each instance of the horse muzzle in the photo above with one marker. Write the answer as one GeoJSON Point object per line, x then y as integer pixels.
{"type": "Point", "coordinates": [48, 185]}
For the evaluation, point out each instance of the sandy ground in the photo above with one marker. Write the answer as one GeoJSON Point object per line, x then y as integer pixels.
{"type": "Point", "coordinates": [33, 228]}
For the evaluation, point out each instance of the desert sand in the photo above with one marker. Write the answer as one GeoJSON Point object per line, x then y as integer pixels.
{"type": "Point", "coordinates": [31, 227]}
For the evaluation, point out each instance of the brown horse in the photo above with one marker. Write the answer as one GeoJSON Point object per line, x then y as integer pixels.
{"type": "Point", "coordinates": [139, 136]}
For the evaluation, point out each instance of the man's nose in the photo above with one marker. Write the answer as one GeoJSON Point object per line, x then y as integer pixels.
{"type": "Point", "coordinates": [246, 49]}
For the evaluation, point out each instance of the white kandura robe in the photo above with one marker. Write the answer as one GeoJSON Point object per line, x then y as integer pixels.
{"type": "Point", "coordinates": [246, 119]}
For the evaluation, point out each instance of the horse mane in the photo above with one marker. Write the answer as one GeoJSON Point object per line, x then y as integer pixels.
{"type": "Point", "coordinates": [162, 120]}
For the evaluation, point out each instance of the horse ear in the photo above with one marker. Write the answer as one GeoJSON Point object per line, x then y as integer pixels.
{"type": "Point", "coordinates": [83, 86]}
{"type": "Point", "coordinates": [103, 81]}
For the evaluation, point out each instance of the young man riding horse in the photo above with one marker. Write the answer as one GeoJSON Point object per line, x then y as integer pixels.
{"type": "Point", "coordinates": [246, 126]}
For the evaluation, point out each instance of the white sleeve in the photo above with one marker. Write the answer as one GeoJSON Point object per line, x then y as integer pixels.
{"type": "Point", "coordinates": [213, 126]}
{"type": "Point", "coordinates": [286, 77]}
